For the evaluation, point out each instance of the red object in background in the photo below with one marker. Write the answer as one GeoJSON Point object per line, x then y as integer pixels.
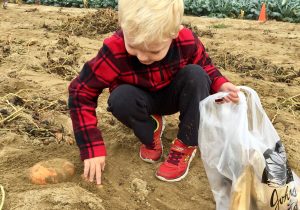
{"type": "Point", "coordinates": [263, 13]}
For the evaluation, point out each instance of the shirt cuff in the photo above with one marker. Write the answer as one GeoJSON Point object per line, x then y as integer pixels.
{"type": "Point", "coordinates": [91, 152]}
{"type": "Point", "coordinates": [217, 83]}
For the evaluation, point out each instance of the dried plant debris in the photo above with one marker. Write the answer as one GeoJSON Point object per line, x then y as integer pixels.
{"type": "Point", "coordinates": [32, 10]}
{"type": "Point", "coordinates": [102, 21]}
{"type": "Point", "coordinates": [5, 49]}
{"type": "Point", "coordinates": [62, 58]}
{"type": "Point", "coordinates": [31, 114]}
{"type": "Point", "coordinates": [197, 31]}
{"type": "Point", "coordinates": [255, 67]}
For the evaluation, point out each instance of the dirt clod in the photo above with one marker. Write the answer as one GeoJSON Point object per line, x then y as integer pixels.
{"type": "Point", "coordinates": [140, 188]}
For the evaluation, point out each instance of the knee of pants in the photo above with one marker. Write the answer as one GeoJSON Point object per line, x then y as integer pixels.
{"type": "Point", "coordinates": [125, 101]}
{"type": "Point", "coordinates": [194, 76]}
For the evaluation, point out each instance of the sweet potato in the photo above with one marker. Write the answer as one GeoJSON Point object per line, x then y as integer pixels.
{"type": "Point", "coordinates": [51, 171]}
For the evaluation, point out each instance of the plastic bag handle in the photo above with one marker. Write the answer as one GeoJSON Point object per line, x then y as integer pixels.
{"type": "Point", "coordinates": [215, 97]}
{"type": "Point", "coordinates": [252, 93]}
{"type": "Point", "coordinates": [255, 110]}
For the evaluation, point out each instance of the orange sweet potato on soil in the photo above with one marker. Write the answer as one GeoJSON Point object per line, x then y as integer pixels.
{"type": "Point", "coordinates": [51, 171]}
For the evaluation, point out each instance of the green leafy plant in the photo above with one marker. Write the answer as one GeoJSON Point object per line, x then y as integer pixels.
{"type": "Point", "coordinates": [283, 10]}
{"type": "Point", "coordinates": [287, 10]}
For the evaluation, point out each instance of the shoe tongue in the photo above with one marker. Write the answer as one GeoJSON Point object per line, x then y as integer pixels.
{"type": "Point", "coordinates": [178, 146]}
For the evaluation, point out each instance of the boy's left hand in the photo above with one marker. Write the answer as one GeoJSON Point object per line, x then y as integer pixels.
{"type": "Point", "coordinates": [233, 93]}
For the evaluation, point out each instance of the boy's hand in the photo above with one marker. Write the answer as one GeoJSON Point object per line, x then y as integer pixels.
{"type": "Point", "coordinates": [233, 90]}
{"type": "Point", "coordinates": [94, 167]}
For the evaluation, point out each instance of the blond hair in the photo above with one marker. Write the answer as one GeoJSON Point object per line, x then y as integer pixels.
{"type": "Point", "coordinates": [150, 21]}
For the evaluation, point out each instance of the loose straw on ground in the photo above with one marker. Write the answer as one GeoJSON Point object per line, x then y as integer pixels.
{"type": "Point", "coordinates": [3, 196]}
{"type": "Point", "coordinates": [12, 116]}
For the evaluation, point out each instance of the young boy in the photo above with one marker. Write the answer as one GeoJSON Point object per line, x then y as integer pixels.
{"type": "Point", "coordinates": [153, 67]}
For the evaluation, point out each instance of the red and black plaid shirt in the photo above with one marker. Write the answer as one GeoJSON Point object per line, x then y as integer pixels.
{"type": "Point", "coordinates": [113, 66]}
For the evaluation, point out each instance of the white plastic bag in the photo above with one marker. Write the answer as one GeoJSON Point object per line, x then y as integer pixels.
{"type": "Point", "coordinates": [243, 156]}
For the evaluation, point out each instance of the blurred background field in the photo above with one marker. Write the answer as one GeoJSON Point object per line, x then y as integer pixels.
{"type": "Point", "coordinates": [284, 10]}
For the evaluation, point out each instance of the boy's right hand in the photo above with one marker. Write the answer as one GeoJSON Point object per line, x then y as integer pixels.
{"type": "Point", "coordinates": [94, 167]}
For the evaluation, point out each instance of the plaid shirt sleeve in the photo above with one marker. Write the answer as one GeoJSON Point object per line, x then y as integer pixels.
{"type": "Point", "coordinates": [201, 58]}
{"type": "Point", "coordinates": [84, 91]}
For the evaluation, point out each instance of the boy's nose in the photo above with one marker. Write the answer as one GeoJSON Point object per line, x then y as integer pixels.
{"type": "Point", "coordinates": [142, 58]}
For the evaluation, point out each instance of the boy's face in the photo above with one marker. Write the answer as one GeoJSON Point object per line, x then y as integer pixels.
{"type": "Point", "coordinates": [154, 52]}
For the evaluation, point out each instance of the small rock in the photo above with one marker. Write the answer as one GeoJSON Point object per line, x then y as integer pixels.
{"type": "Point", "coordinates": [46, 142]}
{"type": "Point", "coordinates": [6, 50]}
{"type": "Point", "coordinates": [59, 137]}
{"type": "Point", "coordinates": [62, 102]}
{"type": "Point", "coordinates": [194, 198]}
{"type": "Point", "coordinates": [99, 186]}
{"type": "Point", "coordinates": [12, 74]}
{"type": "Point", "coordinates": [138, 185]}
{"type": "Point", "coordinates": [36, 142]}
{"type": "Point", "coordinates": [140, 188]}
{"type": "Point", "coordinates": [69, 140]}
{"type": "Point", "coordinates": [32, 42]}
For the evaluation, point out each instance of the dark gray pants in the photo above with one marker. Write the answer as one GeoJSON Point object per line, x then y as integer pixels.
{"type": "Point", "coordinates": [133, 106]}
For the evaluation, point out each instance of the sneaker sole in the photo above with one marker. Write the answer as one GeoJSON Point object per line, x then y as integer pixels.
{"type": "Point", "coordinates": [183, 175]}
{"type": "Point", "coordinates": [162, 147]}
{"type": "Point", "coordinates": [149, 160]}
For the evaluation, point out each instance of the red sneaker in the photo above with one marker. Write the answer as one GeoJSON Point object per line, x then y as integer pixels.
{"type": "Point", "coordinates": [152, 153]}
{"type": "Point", "coordinates": [176, 166]}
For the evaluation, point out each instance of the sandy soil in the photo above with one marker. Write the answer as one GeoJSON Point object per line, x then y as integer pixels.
{"type": "Point", "coordinates": [43, 48]}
